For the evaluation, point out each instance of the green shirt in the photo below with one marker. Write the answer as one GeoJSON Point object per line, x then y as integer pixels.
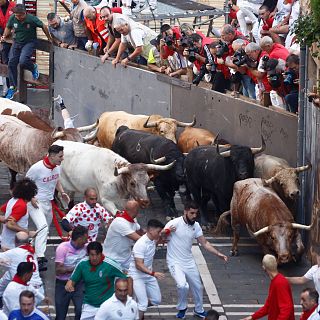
{"type": "Point", "coordinates": [98, 283]}
{"type": "Point", "coordinates": [25, 31]}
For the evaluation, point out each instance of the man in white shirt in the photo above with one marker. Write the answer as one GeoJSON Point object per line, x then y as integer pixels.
{"type": "Point", "coordinates": [45, 173]}
{"type": "Point", "coordinates": [24, 252]}
{"type": "Point", "coordinates": [145, 284]}
{"type": "Point", "coordinates": [122, 233]}
{"type": "Point", "coordinates": [181, 232]}
{"type": "Point", "coordinates": [120, 306]}
{"type": "Point", "coordinates": [88, 214]}
{"type": "Point", "coordinates": [309, 303]}
{"type": "Point", "coordinates": [18, 284]}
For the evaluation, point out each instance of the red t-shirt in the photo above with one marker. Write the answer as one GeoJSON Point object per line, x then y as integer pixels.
{"type": "Point", "coordinates": [19, 209]}
{"type": "Point", "coordinates": [167, 50]}
{"type": "Point", "coordinates": [267, 24]}
{"type": "Point", "coordinates": [264, 80]}
{"type": "Point", "coordinates": [279, 303]}
{"type": "Point", "coordinates": [279, 51]}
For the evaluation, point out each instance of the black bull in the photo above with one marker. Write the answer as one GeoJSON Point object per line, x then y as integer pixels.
{"type": "Point", "coordinates": [211, 174]}
{"type": "Point", "coordinates": [139, 147]}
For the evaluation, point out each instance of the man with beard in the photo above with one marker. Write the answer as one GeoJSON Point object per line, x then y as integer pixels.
{"type": "Point", "coordinates": [182, 266]}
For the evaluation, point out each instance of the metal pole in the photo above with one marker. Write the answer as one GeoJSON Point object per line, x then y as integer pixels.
{"type": "Point", "coordinates": [55, 6]}
{"type": "Point", "coordinates": [301, 218]}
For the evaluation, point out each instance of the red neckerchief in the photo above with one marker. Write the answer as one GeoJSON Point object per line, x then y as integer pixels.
{"type": "Point", "coordinates": [17, 279]}
{"type": "Point", "coordinates": [28, 247]}
{"type": "Point", "coordinates": [306, 314]}
{"type": "Point", "coordinates": [93, 268]}
{"type": "Point", "coordinates": [125, 215]}
{"type": "Point", "coordinates": [47, 163]}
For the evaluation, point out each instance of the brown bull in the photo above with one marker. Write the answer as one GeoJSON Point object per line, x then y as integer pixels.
{"type": "Point", "coordinates": [109, 122]}
{"type": "Point", "coordinates": [266, 217]}
{"type": "Point", "coordinates": [22, 145]}
{"type": "Point", "coordinates": [191, 138]}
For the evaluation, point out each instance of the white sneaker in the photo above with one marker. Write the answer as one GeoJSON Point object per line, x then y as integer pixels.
{"type": "Point", "coordinates": [126, 11]}
{"type": "Point", "coordinates": [138, 8]}
{"type": "Point", "coordinates": [148, 10]}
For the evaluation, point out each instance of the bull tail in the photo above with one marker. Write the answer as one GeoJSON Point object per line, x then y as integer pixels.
{"type": "Point", "coordinates": [223, 223]}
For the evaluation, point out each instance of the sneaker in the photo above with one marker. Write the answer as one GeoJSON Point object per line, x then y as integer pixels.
{"type": "Point", "coordinates": [126, 11]}
{"type": "Point", "coordinates": [138, 8]}
{"type": "Point", "coordinates": [148, 10]}
{"type": "Point", "coordinates": [35, 72]}
{"type": "Point", "coordinates": [200, 314]}
{"type": "Point", "coordinates": [10, 93]}
{"type": "Point", "coordinates": [181, 314]}
{"type": "Point", "coordinates": [42, 263]}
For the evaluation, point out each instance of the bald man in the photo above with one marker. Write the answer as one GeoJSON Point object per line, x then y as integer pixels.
{"type": "Point", "coordinates": [88, 214]}
{"type": "Point", "coordinates": [24, 252]}
{"type": "Point", "coordinates": [122, 233]}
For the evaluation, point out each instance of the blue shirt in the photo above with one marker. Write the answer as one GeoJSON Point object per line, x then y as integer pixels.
{"type": "Point", "coordinates": [35, 315]}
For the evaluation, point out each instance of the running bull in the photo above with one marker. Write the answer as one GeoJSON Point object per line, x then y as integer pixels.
{"type": "Point", "coordinates": [137, 146]}
{"type": "Point", "coordinates": [266, 217]}
{"type": "Point", "coordinates": [114, 177]}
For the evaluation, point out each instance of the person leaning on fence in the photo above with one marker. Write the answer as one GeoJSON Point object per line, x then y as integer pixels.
{"type": "Point", "coordinates": [24, 26]}
{"type": "Point", "coordinates": [155, 63]}
{"type": "Point", "coordinates": [138, 36]}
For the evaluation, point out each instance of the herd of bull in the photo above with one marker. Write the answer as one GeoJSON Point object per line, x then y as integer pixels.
{"type": "Point", "coordinates": [122, 152]}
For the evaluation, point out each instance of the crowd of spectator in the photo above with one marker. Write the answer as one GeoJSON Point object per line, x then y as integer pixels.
{"type": "Point", "coordinates": [255, 55]}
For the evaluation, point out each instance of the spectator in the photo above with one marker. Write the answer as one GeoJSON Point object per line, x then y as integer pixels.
{"type": "Point", "coordinates": [290, 42]}
{"type": "Point", "coordinates": [68, 255]}
{"type": "Point", "coordinates": [79, 26]}
{"type": "Point", "coordinates": [145, 7]}
{"type": "Point", "coordinates": [170, 37]}
{"type": "Point", "coordinates": [265, 22]}
{"type": "Point", "coordinates": [279, 303]}
{"type": "Point", "coordinates": [61, 32]}
{"type": "Point", "coordinates": [229, 34]}
{"type": "Point", "coordinates": [145, 284]}
{"type": "Point", "coordinates": [27, 310]}
{"type": "Point", "coordinates": [96, 30]}
{"type": "Point", "coordinates": [274, 50]}
{"type": "Point", "coordinates": [23, 252]}
{"type": "Point", "coordinates": [45, 174]}
{"type": "Point", "coordinates": [18, 284]}
{"type": "Point", "coordinates": [155, 63]}
{"type": "Point", "coordinates": [177, 63]}
{"type": "Point", "coordinates": [186, 29]}
{"type": "Point", "coordinates": [309, 302]}
{"type": "Point", "coordinates": [23, 45]}
{"type": "Point", "coordinates": [114, 38]}
{"type": "Point", "coordinates": [16, 213]}
{"type": "Point", "coordinates": [6, 8]}
{"type": "Point", "coordinates": [123, 231]}
{"type": "Point", "coordinates": [182, 232]}
{"type": "Point", "coordinates": [138, 36]}
{"type": "Point", "coordinates": [120, 305]}
{"type": "Point", "coordinates": [89, 214]}
{"type": "Point", "coordinates": [256, 68]}
{"type": "Point", "coordinates": [91, 271]}
{"type": "Point", "coordinates": [292, 82]}
{"type": "Point", "coordinates": [312, 273]}
{"type": "Point", "coordinates": [212, 315]}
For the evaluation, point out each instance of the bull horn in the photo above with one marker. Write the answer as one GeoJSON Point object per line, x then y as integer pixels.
{"type": "Point", "coordinates": [261, 231]}
{"type": "Point", "coordinates": [156, 161]}
{"type": "Point", "coordinates": [303, 226]}
{"type": "Point", "coordinates": [56, 134]}
{"type": "Point", "coordinates": [149, 125]}
{"type": "Point", "coordinates": [261, 149]}
{"type": "Point", "coordinates": [151, 188]}
{"type": "Point", "coordinates": [187, 124]}
{"type": "Point", "coordinates": [268, 182]}
{"type": "Point", "coordinates": [159, 167]}
{"type": "Point", "coordinates": [185, 154]}
{"type": "Point", "coordinates": [225, 154]}
{"type": "Point", "coordinates": [90, 127]}
{"type": "Point", "coordinates": [250, 231]}
{"type": "Point", "coordinates": [117, 171]}
{"type": "Point", "coordinates": [303, 168]}
{"type": "Point", "coordinates": [91, 136]}
{"type": "Point", "coordinates": [215, 140]}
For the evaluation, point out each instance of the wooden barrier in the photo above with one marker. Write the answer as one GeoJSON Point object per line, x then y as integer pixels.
{"type": "Point", "coordinates": [25, 76]}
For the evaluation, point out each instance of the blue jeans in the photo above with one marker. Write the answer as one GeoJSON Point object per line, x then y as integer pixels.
{"type": "Point", "coordinates": [82, 42]}
{"type": "Point", "coordinates": [248, 87]}
{"type": "Point", "coordinates": [20, 54]}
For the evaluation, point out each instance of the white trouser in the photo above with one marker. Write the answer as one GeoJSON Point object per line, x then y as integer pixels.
{"type": "Point", "coordinates": [146, 289]}
{"type": "Point", "coordinates": [187, 277]}
{"type": "Point", "coordinates": [247, 10]}
{"type": "Point", "coordinates": [4, 281]}
{"type": "Point", "coordinates": [276, 100]}
{"type": "Point", "coordinates": [41, 216]}
{"type": "Point", "coordinates": [88, 312]}
{"type": "Point", "coordinates": [68, 123]}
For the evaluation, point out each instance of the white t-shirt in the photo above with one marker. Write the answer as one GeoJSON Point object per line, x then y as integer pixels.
{"type": "Point", "coordinates": [117, 245]}
{"type": "Point", "coordinates": [82, 214]}
{"type": "Point", "coordinates": [113, 309]}
{"type": "Point", "coordinates": [314, 274]}
{"type": "Point", "coordinates": [144, 249]}
{"type": "Point", "coordinates": [315, 315]}
{"type": "Point", "coordinates": [12, 293]}
{"type": "Point", "coordinates": [180, 241]}
{"type": "Point", "coordinates": [46, 180]}
{"type": "Point", "coordinates": [22, 254]}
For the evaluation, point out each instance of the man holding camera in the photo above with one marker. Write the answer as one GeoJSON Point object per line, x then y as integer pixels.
{"type": "Point", "coordinates": [291, 79]}
{"type": "Point", "coordinates": [169, 40]}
